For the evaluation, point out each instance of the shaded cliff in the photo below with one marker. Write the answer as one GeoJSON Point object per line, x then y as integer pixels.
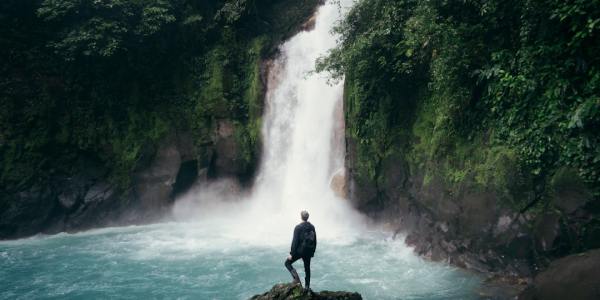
{"type": "Point", "coordinates": [473, 126]}
{"type": "Point", "coordinates": [110, 109]}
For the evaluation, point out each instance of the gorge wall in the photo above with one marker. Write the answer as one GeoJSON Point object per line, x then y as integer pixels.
{"type": "Point", "coordinates": [472, 127]}
{"type": "Point", "coordinates": [110, 109]}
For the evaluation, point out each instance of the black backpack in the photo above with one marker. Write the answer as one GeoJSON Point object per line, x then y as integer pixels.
{"type": "Point", "coordinates": [308, 244]}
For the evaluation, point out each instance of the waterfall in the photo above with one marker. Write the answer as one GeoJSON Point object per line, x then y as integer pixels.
{"type": "Point", "coordinates": [301, 148]}
{"type": "Point", "coordinates": [303, 144]}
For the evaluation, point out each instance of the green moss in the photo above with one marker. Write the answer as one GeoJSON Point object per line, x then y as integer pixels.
{"type": "Point", "coordinates": [232, 89]}
{"type": "Point", "coordinates": [566, 178]}
{"type": "Point", "coordinates": [143, 129]}
{"type": "Point", "coordinates": [197, 64]}
{"type": "Point", "coordinates": [255, 90]}
{"type": "Point", "coordinates": [459, 162]}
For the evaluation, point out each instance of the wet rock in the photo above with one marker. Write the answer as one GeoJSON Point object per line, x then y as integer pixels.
{"type": "Point", "coordinates": [153, 185]}
{"type": "Point", "coordinates": [69, 198]}
{"type": "Point", "coordinates": [362, 191]}
{"type": "Point", "coordinates": [100, 205]}
{"type": "Point", "coordinates": [572, 277]}
{"type": "Point", "coordinates": [338, 185]}
{"type": "Point", "coordinates": [227, 158]}
{"type": "Point", "coordinates": [500, 287]}
{"type": "Point", "coordinates": [570, 193]}
{"type": "Point", "coordinates": [185, 145]}
{"type": "Point", "coordinates": [478, 213]}
{"type": "Point", "coordinates": [26, 212]}
{"type": "Point", "coordinates": [547, 230]}
{"type": "Point", "coordinates": [289, 291]}
{"type": "Point", "coordinates": [503, 224]}
{"type": "Point", "coordinates": [187, 175]}
{"type": "Point", "coordinates": [519, 246]}
{"type": "Point", "coordinates": [473, 262]}
{"type": "Point", "coordinates": [310, 24]}
{"type": "Point", "coordinates": [99, 192]}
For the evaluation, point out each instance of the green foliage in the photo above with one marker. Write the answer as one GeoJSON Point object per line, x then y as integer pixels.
{"type": "Point", "coordinates": [103, 28]}
{"type": "Point", "coordinates": [142, 129]}
{"type": "Point", "coordinates": [497, 94]}
{"type": "Point", "coordinates": [110, 78]}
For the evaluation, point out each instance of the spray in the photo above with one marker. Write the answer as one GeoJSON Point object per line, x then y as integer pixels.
{"type": "Point", "coordinates": [303, 150]}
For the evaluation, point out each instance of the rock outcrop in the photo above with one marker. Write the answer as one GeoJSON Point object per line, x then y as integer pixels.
{"type": "Point", "coordinates": [89, 199]}
{"type": "Point", "coordinates": [474, 227]}
{"type": "Point", "coordinates": [573, 277]}
{"type": "Point", "coordinates": [290, 291]}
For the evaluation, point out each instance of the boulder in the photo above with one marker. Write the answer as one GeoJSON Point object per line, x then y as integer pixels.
{"type": "Point", "coordinates": [68, 198]}
{"type": "Point", "coordinates": [26, 212]}
{"type": "Point", "coordinates": [100, 204]}
{"type": "Point", "coordinates": [570, 192]}
{"type": "Point", "coordinates": [101, 191]}
{"type": "Point", "coordinates": [572, 277]}
{"type": "Point", "coordinates": [227, 160]}
{"type": "Point", "coordinates": [338, 184]}
{"type": "Point", "coordinates": [547, 230]}
{"type": "Point", "coordinates": [289, 291]}
{"type": "Point", "coordinates": [153, 185]}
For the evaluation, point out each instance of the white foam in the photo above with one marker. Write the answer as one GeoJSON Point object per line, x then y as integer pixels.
{"type": "Point", "coordinates": [301, 153]}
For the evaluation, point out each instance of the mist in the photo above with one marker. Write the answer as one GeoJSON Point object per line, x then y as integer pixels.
{"type": "Point", "coordinates": [303, 142]}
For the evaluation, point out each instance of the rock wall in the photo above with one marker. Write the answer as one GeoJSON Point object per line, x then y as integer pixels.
{"type": "Point", "coordinates": [89, 199]}
{"type": "Point", "coordinates": [473, 225]}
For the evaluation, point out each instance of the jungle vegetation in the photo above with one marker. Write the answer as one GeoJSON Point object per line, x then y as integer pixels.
{"type": "Point", "coordinates": [107, 79]}
{"type": "Point", "coordinates": [495, 94]}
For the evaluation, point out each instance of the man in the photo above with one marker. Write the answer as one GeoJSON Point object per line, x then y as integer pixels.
{"type": "Point", "coordinates": [304, 245]}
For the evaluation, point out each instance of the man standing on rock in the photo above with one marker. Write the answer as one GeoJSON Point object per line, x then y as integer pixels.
{"type": "Point", "coordinates": [304, 245]}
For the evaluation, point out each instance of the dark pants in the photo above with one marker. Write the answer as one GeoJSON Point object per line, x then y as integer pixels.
{"type": "Point", "coordinates": [306, 260]}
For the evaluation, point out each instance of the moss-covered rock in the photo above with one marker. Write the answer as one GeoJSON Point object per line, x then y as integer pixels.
{"type": "Point", "coordinates": [290, 291]}
{"type": "Point", "coordinates": [573, 277]}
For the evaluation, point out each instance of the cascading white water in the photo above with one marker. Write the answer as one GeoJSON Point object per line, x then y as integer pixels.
{"type": "Point", "coordinates": [298, 132]}
{"type": "Point", "coordinates": [301, 151]}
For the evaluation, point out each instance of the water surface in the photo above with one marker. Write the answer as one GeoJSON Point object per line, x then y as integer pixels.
{"type": "Point", "coordinates": [193, 261]}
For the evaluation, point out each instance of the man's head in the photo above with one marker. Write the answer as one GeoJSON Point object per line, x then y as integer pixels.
{"type": "Point", "coordinates": [304, 215]}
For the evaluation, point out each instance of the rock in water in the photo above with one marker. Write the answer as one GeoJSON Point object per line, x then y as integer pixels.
{"type": "Point", "coordinates": [573, 277]}
{"type": "Point", "coordinates": [290, 291]}
{"type": "Point", "coordinates": [338, 184]}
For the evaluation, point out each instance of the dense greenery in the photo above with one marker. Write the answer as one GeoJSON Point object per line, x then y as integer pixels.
{"type": "Point", "coordinates": [108, 79]}
{"type": "Point", "coordinates": [503, 93]}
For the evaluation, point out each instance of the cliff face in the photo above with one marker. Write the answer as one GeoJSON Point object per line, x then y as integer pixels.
{"type": "Point", "coordinates": [109, 131]}
{"type": "Point", "coordinates": [470, 226]}
{"type": "Point", "coordinates": [458, 135]}
{"type": "Point", "coordinates": [474, 205]}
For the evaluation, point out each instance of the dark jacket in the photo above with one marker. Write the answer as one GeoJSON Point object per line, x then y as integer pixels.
{"type": "Point", "coordinates": [298, 234]}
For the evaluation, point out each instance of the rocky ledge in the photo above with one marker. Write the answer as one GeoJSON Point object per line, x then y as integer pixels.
{"type": "Point", "coordinates": [576, 276]}
{"type": "Point", "coordinates": [290, 291]}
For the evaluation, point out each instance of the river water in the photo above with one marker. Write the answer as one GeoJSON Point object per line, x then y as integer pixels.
{"type": "Point", "coordinates": [225, 244]}
{"type": "Point", "coordinates": [195, 261]}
